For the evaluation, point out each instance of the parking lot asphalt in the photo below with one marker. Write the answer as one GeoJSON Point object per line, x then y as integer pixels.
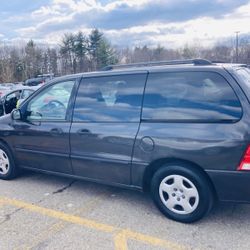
{"type": "Point", "coordinates": [46, 212]}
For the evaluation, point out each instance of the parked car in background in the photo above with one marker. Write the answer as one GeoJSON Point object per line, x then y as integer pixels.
{"type": "Point", "coordinates": [40, 79]}
{"type": "Point", "coordinates": [47, 77]}
{"type": "Point", "coordinates": [180, 130]}
{"type": "Point", "coordinates": [3, 90]}
{"type": "Point", "coordinates": [12, 99]}
{"type": "Point", "coordinates": [8, 85]}
{"type": "Point", "coordinates": [34, 81]}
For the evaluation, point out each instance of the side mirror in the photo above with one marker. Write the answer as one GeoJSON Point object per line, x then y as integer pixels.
{"type": "Point", "coordinates": [16, 114]}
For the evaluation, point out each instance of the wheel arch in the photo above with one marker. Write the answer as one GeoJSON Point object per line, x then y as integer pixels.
{"type": "Point", "coordinates": [13, 170]}
{"type": "Point", "coordinates": [6, 144]}
{"type": "Point", "coordinates": [160, 163]}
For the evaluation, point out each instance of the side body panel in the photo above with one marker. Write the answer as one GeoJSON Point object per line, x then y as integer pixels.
{"type": "Point", "coordinates": [104, 152]}
{"type": "Point", "coordinates": [102, 136]}
{"type": "Point", "coordinates": [211, 146]}
{"type": "Point", "coordinates": [42, 145]}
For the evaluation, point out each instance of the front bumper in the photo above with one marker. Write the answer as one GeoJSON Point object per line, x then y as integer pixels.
{"type": "Point", "coordinates": [233, 186]}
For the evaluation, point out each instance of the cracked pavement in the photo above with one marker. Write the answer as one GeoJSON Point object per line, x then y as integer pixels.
{"type": "Point", "coordinates": [60, 190]}
{"type": "Point", "coordinates": [226, 227]}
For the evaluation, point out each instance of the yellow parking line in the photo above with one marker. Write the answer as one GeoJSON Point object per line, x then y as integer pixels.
{"type": "Point", "coordinates": [124, 235]}
{"type": "Point", "coordinates": [120, 235]}
{"type": "Point", "coordinates": [58, 215]}
{"type": "Point", "coordinates": [152, 240]}
{"type": "Point", "coordinates": [57, 227]}
{"type": "Point", "coordinates": [120, 241]}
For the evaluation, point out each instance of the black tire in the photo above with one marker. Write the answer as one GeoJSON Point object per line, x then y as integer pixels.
{"type": "Point", "coordinates": [203, 202]}
{"type": "Point", "coordinates": [6, 155]}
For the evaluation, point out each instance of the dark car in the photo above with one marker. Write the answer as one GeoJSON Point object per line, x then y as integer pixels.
{"type": "Point", "coordinates": [40, 79]}
{"type": "Point", "coordinates": [34, 81]}
{"type": "Point", "coordinates": [179, 129]}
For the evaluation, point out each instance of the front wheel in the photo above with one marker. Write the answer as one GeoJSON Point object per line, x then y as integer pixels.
{"type": "Point", "coordinates": [8, 169]}
{"type": "Point", "coordinates": [182, 193]}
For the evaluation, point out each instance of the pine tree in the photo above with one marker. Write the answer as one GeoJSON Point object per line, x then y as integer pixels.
{"type": "Point", "coordinates": [30, 59]}
{"type": "Point", "coordinates": [95, 39]}
{"type": "Point", "coordinates": [105, 54]}
{"type": "Point", "coordinates": [81, 48]}
{"type": "Point", "coordinates": [67, 51]}
{"type": "Point", "coordinates": [101, 52]}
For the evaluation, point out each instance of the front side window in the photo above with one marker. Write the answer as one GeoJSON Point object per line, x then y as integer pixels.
{"type": "Point", "coordinates": [190, 96]}
{"type": "Point", "coordinates": [51, 103]}
{"type": "Point", "coordinates": [110, 99]}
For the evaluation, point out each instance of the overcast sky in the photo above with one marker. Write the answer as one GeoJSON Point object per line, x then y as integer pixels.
{"type": "Point", "coordinates": [126, 22]}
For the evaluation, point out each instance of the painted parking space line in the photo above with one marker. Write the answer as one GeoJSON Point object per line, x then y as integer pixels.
{"type": "Point", "coordinates": [120, 241]}
{"type": "Point", "coordinates": [121, 236]}
{"type": "Point", "coordinates": [58, 215]}
{"type": "Point", "coordinates": [57, 227]}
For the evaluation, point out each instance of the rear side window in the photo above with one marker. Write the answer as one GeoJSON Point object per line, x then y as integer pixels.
{"type": "Point", "coordinates": [190, 96]}
{"type": "Point", "coordinates": [110, 99]}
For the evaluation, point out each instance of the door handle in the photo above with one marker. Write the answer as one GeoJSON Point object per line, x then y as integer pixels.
{"type": "Point", "coordinates": [83, 132]}
{"type": "Point", "coordinates": [56, 131]}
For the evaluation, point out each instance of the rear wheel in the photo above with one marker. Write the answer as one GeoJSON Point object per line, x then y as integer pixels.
{"type": "Point", "coordinates": [182, 193]}
{"type": "Point", "coordinates": [8, 169]}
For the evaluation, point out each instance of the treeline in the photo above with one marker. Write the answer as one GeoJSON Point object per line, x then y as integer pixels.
{"type": "Point", "coordinates": [218, 53]}
{"type": "Point", "coordinates": [75, 53]}
{"type": "Point", "coordinates": [80, 53]}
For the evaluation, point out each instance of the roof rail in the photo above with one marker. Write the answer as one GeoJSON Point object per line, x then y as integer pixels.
{"type": "Point", "coordinates": [242, 65]}
{"type": "Point", "coordinates": [158, 63]}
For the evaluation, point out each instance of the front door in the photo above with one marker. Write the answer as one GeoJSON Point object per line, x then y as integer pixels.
{"type": "Point", "coordinates": [105, 123]}
{"type": "Point", "coordinates": [42, 136]}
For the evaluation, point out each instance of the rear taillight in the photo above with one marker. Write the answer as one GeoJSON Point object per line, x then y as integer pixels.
{"type": "Point", "coordinates": [245, 162]}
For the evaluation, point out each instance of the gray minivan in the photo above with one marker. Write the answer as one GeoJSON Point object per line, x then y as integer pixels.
{"type": "Point", "coordinates": [178, 129]}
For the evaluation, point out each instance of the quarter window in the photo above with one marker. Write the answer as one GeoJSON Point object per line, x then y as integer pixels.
{"type": "Point", "coordinates": [190, 96]}
{"type": "Point", "coordinates": [244, 76]}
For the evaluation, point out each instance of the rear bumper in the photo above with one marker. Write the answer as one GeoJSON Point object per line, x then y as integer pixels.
{"type": "Point", "coordinates": [233, 186]}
